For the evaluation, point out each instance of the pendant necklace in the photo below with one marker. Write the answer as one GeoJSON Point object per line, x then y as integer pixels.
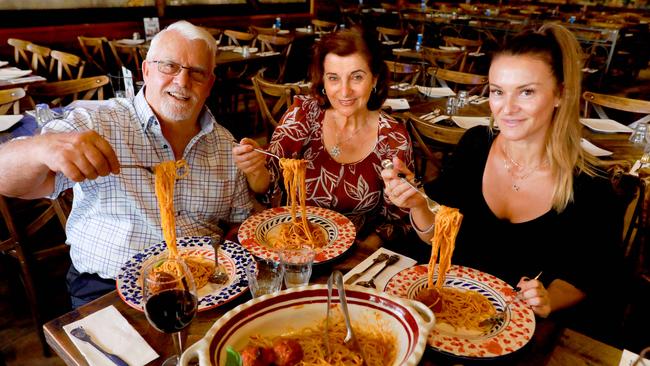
{"type": "Point", "coordinates": [335, 151]}
{"type": "Point", "coordinates": [510, 165]}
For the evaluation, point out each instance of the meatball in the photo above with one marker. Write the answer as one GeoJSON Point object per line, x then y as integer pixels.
{"type": "Point", "coordinates": [431, 298]}
{"type": "Point", "coordinates": [257, 356]}
{"type": "Point", "coordinates": [288, 352]}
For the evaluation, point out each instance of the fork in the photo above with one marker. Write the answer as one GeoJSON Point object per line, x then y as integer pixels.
{"type": "Point", "coordinates": [136, 166]}
{"type": "Point", "coordinates": [500, 315]}
{"type": "Point", "coordinates": [259, 150]}
{"type": "Point", "coordinates": [432, 205]}
{"type": "Point", "coordinates": [80, 333]}
{"type": "Point", "coordinates": [219, 276]}
{"type": "Point", "coordinates": [371, 282]}
{"type": "Point", "coordinates": [645, 158]}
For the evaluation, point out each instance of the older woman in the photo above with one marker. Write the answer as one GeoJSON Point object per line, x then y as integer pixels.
{"type": "Point", "coordinates": [532, 199]}
{"type": "Point", "coordinates": [343, 135]}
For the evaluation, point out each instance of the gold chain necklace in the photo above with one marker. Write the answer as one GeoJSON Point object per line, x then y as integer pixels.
{"type": "Point", "coordinates": [510, 164]}
{"type": "Point", "coordinates": [335, 151]}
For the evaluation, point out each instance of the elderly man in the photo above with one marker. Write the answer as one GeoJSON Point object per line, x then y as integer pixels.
{"type": "Point", "coordinates": [115, 213]}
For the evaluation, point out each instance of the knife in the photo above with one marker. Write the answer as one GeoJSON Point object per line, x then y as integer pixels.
{"type": "Point", "coordinates": [378, 259]}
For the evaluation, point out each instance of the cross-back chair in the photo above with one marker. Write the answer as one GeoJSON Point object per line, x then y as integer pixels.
{"type": "Point", "coordinates": [400, 72]}
{"type": "Point", "coordinates": [477, 84]}
{"type": "Point", "coordinates": [40, 58]}
{"type": "Point", "coordinates": [323, 26]}
{"type": "Point", "coordinates": [392, 36]}
{"type": "Point", "coordinates": [238, 38]}
{"type": "Point", "coordinates": [273, 100]}
{"type": "Point", "coordinates": [10, 100]}
{"type": "Point", "coordinates": [63, 92]}
{"type": "Point", "coordinates": [127, 56]}
{"type": "Point", "coordinates": [262, 30]}
{"type": "Point", "coordinates": [20, 52]}
{"type": "Point", "coordinates": [93, 50]}
{"type": "Point", "coordinates": [597, 101]}
{"type": "Point", "coordinates": [268, 43]}
{"type": "Point", "coordinates": [68, 66]}
{"type": "Point", "coordinates": [469, 46]}
{"type": "Point", "coordinates": [446, 59]}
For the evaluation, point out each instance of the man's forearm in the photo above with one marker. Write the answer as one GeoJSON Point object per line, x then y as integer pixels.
{"type": "Point", "coordinates": [23, 175]}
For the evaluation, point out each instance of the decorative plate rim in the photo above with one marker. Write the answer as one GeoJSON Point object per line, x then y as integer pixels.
{"type": "Point", "coordinates": [504, 338]}
{"type": "Point", "coordinates": [346, 233]}
{"type": "Point", "coordinates": [238, 257]}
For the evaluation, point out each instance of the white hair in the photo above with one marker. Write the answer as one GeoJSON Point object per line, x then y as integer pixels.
{"type": "Point", "coordinates": [190, 32]}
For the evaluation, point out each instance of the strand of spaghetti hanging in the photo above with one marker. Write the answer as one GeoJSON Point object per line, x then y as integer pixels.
{"type": "Point", "coordinates": [166, 174]}
{"type": "Point", "coordinates": [294, 173]}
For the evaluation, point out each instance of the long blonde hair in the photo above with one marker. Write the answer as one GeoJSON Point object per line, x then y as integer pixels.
{"type": "Point", "coordinates": [558, 47]}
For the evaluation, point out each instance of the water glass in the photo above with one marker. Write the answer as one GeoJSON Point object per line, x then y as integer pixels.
{"type": "Point", "coordinates": [452, 106]}
{"type": "Point", "coordinates": [297, 266]}
{"type": "Point", "coordinates": [264, 277]}
{"type": "Point", "coordinates": [43, 114]}
{"type": "Point", "coordinates": [463, 95]}
{"type": "Point", "coordinates": [245, 52]}
{"type": "Point", "coordinates": [639, 134]}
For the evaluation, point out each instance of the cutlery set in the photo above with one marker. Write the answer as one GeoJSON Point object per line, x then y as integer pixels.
{"type": "Point", "coordinates": [383, 257]}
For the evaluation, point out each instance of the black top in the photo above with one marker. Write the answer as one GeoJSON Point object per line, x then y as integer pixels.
{"type": "Point", "coordinates": [578, 245]}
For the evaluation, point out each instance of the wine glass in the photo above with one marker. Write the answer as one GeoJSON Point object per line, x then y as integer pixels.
{"type": "Point", "coordinates": [170, 299]}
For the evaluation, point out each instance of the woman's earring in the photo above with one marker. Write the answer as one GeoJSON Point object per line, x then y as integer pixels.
{"type": "Point", "coordinates": [323, 91]}
{"type": "Point", "coordinates": [374, 89]}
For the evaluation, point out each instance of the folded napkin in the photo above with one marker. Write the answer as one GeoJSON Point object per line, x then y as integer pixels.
{"type": "Point", "coordinates": [397, 103]}
{"type": "Point", "coordinates": [436, 92]}
{"type": "Point", "coordinates": [4, 63]}
{"type": "Point", "coordinates": [386, 275]}
{"type": "Point", "coordinates": [401, 49]}
{"type": "Point", "coordinates": [111, 331]}
{"type": "Point", "coordinates": [475, 99]}
{"type": "Point", "coordinates": [593, 149]}
{"type": "Point", "coordinates": [268, 53]}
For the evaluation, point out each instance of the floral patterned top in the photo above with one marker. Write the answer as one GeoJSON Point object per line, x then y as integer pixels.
{"type": "Point", "coordinates": [354, 189]}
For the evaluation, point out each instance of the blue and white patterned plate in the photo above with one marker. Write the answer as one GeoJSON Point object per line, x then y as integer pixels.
{"type": "Point", "coordinates": [232, 256]}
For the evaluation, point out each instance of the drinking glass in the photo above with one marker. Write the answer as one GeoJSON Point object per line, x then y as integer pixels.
{"type": "Point", "coordinates": [170, 299]}
{"type": "Point", "coordinates": [297, 266]}
{"type": "Point", "coordinates": [452, 106]}
{"type": "Point", "coordinates": [264, 277]}
{"type": "Point", "coordinates": [639, 134]}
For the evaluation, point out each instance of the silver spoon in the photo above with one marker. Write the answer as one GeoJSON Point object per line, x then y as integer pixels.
{"type": "Point", "coordinates": [80, 333]}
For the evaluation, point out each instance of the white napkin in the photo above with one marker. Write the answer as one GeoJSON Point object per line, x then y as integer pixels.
{"type": "Point", "coordinates": [397, 103]}
{"type": "Point", "coordinates": [110, 330]}
{"type": "Point", "coordinates": [387, 274]}
{"type": "Point", "coordinates": [593, 149]}
{"type": "Point", "coordinates": [401, 49]}
{"type": "Point", "coordinates": [436, 92]}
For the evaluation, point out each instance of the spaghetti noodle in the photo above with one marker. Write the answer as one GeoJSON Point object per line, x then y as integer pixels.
{"type": "Point", "coordinates": [296, 234]}
{"type": "Point", "coordinates": [166, 174]}
{"type": "Point", "coordinates": [458, 308]}
{"type": "Point", "coordinates": [377, 344]}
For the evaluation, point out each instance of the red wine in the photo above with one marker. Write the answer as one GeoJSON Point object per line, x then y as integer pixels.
{"type": "Point", "coordinates": [171, 310]}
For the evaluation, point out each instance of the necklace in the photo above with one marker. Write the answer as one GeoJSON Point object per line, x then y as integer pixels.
{"type": "Point", "coordinates": [511, 166]}
{"type": "Point", "coordinates": [335, 151]}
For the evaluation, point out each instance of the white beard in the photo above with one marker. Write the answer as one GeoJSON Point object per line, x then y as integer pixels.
{"type": "Point", "coordinates": [175, 110]}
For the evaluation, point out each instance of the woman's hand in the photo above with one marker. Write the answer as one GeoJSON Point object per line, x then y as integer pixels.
{"type": "Point", "coordinates": [535, 295]}
{"type": "Point", "coordinates": [253, 164]}
{"type": "Point", "coordinates": [400, 193]}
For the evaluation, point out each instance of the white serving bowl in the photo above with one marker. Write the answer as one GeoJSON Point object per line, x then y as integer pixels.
{"type": "Point", "coordinates": [296, 308]}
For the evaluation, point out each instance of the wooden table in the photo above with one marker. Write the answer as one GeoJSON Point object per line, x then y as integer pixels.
{"type": "Point", "coordinates": [550, 345]}
{"type": "Point", "coordinates": [22, 82]}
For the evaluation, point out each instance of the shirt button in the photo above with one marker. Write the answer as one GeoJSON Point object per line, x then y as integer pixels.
{"type": "Point", "coordinates": [164, 146]}
{"type": "Point", "coordinates": [178, 213]}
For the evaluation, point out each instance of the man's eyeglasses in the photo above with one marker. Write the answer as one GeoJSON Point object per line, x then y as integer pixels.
{"type": "Point", "coordinates": [172, 68]}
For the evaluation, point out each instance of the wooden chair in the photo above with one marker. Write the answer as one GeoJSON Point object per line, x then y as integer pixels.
{"type": "Point", "coordinates": [262, 30]}
{"type": "Point", "coordinates": [469, 46]}
{"type": "Point", "coordinates": [446, 59]}
{"type": "Point", "coordinates": [93, 50]}
{"type": "Point", "coordinates": [10, 100]}
{"type": "Point", "coordinates": [598, 101]}
{"type": "Point", "coordinates": [323, 26]}
{"type": "Point", "coordinates": [63, 92]}
{"type": "Point", "coordinates": [66, 62]}
{"type": "Point", "coordinates": [400, 72]}
{"type": "Point", "coordinates": [434, 141]}
{"type": "Point", "coordinates": [275, 72]}
{"type": "Point", "coordinates": [238, 38]}
{"type": "Point", "coordinates": [273, 100]}
{"type": "Point", "coordinates": [127, 56]}
{"type": "Point", "coordinates": [20, 52]}
{"type": "Point", "coordinates": [477, 83]}
{"type": "Point", "coordinates": [40, 58]}
{"type": "Point", "coordinates": [392, 37]}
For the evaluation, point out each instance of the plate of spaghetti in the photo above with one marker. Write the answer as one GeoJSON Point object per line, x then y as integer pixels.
{"type": "Point", "coordinates": [199, 254]}
{"type": "Point", "coordinates": [391, 331]}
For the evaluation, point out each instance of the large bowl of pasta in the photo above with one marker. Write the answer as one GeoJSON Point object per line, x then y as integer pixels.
{"type": "Point", "coordinates": [390, 330]}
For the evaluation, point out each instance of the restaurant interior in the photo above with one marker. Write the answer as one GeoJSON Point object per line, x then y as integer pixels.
{"type": "Point", "coordinates": [62, 51]}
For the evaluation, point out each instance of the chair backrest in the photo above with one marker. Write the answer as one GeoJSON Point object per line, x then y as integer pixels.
{"type": "Point", "coordinates": [62, 92]}
{"type": "Point", "coordinates": [40, 58]}
{"type": "Point", "coordinates": [273, 100]}
{"type": "Point", "coordinates": [466, 45]}
{"type": "Point", "coordinates": [392, 36]}
{"type": "Point", "coordinates": [323, 26]}
{"type": "Point", "coordinates": [446, 59]}
{"type": "Point", "coordinates": [262, 30]}
{"type": "Point", "coordinates": [10, 100]}
{"type": "Point", "coordinates": [65, 64]}
{"type": "Point", "coordinates": [400, 72]}
{"type": "Point", "coordinates": [20, 51]}
{"type": "Point", "coordinates": [93, 50]}
{"type": "Point", "coordinates": [238, 38]}
{"type": "Point", "coordinates": [276, 44]}
{"type": "Point", "coordinates": [127, 56]}
{"type": "Point", "coordinates": [443, 76]}
{"type": "Point", "coordinates": [597, 101]}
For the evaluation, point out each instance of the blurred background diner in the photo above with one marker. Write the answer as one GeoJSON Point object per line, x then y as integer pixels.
{"type": "Point", "coordinates": [58, 54]}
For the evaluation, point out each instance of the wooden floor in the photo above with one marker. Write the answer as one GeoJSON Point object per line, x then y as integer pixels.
{"type": "Point", "coordinates": [20, 344]}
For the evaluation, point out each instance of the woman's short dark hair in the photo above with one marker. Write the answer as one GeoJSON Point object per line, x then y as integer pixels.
{"type": "Point", "coordinates": [346, 42]}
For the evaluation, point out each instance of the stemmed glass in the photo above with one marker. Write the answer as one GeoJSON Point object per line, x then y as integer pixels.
{"type": "Point", "coordinates": [170, 300]}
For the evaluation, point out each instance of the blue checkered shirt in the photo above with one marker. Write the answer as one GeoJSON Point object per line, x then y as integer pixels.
{"type": "Point", "coordinates": [117, 216]}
